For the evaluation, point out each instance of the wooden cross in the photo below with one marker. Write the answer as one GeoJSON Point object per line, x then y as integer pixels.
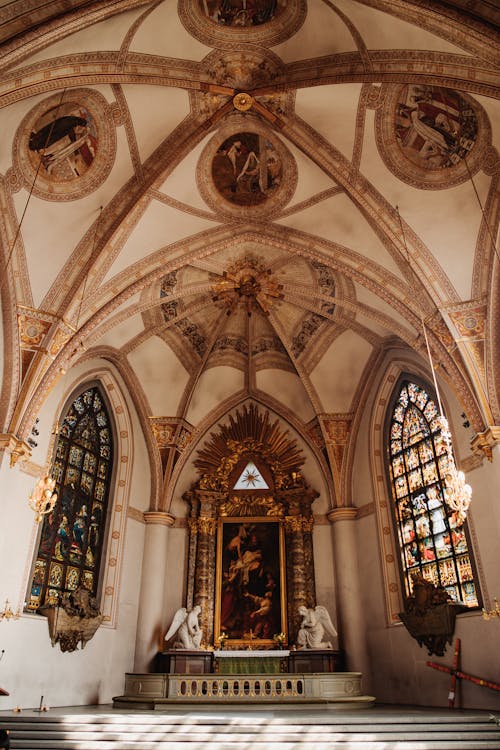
{"type": "Point", "coordinates": [457, 674]}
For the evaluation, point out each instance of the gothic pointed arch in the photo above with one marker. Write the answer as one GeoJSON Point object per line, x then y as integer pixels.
{"type": "Point", "coordinates": [72, 538]}
{"type": "Point", "coordinates": [432, 539]}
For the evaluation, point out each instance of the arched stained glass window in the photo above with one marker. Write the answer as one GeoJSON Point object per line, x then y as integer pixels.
{"type": "Point", "coordinates": [431, 539]}
{"type": "Point", "coordinates": [71, 540]}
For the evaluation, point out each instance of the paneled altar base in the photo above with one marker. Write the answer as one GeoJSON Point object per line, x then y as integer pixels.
{"type": "Point", "coordinates": [154, 691]}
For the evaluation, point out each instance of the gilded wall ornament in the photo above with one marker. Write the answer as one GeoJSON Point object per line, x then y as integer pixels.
{"type": "Point", "coordinates": [68, 143]}
{"type": "Point", "coordinates": [425, 133]}
{"type": "Point", "coordinates": [221, 454]}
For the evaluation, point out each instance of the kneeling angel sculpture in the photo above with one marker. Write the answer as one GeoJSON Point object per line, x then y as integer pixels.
{"type": "Point", "coordinates": [315, 621]}
{"type": "Point", "coordinates": [185, 624]}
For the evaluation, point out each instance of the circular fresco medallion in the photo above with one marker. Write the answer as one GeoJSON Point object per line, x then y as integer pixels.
{"type": "Point", "coordinates": [221, 23]}
{"type": "Point", "coordinates": [67, 144]}
{"type": "Point", "coordinates": [425, 134]}
{"type": "Point", "coordinates": [247, 172]}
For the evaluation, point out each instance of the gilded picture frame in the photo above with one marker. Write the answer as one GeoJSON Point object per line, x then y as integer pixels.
{"type": "Point", "coordinates": [250, 598]}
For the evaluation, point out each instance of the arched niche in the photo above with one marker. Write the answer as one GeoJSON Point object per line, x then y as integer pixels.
{"type": "Point", "coordinates": [250, 554]}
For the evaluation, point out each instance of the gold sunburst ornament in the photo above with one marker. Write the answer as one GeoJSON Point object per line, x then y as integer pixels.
{"type": "Point", "coordinates": [242, 101]}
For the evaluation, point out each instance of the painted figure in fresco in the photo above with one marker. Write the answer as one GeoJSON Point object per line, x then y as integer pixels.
{"type": "Point", "coordinates": [67, 145]}
{"type": "Point", "coordinates": [187, 627]}
{"type": "Point", "coordinates": [436, 127]}
{"type": "Point", "coordinates": [315, 622]}
{"type": "Point", "coordinates": [241, 12]}
{"type": "Point", "coordinates": [247, 169]}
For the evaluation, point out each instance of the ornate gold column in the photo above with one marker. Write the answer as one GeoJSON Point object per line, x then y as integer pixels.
{"type": "Point", "coordinates": [296, 572]}
{"type": "Point", "coordinates": [204, 585]}
{"type": "Point", "coordinates": [310, 589]}
{"type": "Point", "coordinates": [154, 575]}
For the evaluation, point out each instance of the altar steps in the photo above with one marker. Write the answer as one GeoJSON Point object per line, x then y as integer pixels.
{"type": "Point", "coordinates": [317, 729]}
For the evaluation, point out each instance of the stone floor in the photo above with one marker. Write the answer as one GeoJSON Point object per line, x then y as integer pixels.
{"type": "Point", "coordinates": [315, 727]}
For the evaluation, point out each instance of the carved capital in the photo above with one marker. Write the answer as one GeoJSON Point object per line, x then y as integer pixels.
{"type": "Point", "coordinates": [484, 442]}
{"type": "Point", "coordinates": [342, 514]}
{"type": "Point", "coordinates": [18, 449]}
{"type": "Point", "coordinates": [294, 524]}
{"type": "Point", "coordinates": [207, 525]}
{"type": "Point", "coordinates": [158, 518]}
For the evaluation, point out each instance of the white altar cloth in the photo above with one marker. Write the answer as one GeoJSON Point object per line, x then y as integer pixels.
{"type": "Point", "coordinates": [223, 653]}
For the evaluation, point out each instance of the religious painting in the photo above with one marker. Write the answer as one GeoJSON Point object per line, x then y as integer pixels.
{"type": "Point", "coordinates": [247, 169]}
{"type": "Point", "coordinates": [65, 146]}
{"type": "Point", "coordinates": [435, 127]}
{"type": "Point", "coordinates": [242, 13]}
{"type": "Point", "coordinates": [64, 142]}
{"type": "Point", "coordinates": [250, 599]}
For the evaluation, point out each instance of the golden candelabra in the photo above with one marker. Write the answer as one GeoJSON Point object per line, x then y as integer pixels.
{"type": "Point", "coordinates": [457, 493]}
{"type": "Point", "coordinates": [43, 498]}
{"type": "Point", "coordinates": [8, 614]}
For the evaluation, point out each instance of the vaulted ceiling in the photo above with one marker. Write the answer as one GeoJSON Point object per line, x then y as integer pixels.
{"type": "Point", "coordinates": [248, 198]}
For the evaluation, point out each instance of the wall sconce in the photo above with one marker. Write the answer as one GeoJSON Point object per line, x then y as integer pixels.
{"type": "Point", "coordinates": [495, 612]}
{"type": "Point", "coordinates": [8, 614]}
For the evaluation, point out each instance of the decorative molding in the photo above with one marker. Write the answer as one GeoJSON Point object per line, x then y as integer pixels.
{"type": "Point", "coordinates": [158, 518]}
{"type": "Point", "coordinates": [342, 514]}
{"type": "Point", "coordinates": [135, 514]}
{"type": "Point", "coordinates": [17, 449]}
{"type": "Point", "coordinates": [484, 442]}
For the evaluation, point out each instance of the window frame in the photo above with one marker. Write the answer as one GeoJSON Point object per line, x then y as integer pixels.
{"type": "Point", "coordinates": [404, 570]}
{"type": "Point", "coordinates": [100, 572]}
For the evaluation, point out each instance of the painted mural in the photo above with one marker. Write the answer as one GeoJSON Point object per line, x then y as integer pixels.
{"type": "Point", "coordinates": [63, 142]}
{"type": "Point", "coordinates": [247, 169]}
{"type": "Point", "coordinates": [242, 12]}
{"type": "Point", "coordinates": [435, 127]}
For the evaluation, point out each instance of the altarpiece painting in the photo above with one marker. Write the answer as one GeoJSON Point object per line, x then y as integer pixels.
{"type": "Point", "coordinates": [250, 601]}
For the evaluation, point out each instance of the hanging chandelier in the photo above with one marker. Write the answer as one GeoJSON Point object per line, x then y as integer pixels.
{"type": "Point", "coordinates": [457, 494]}
{"type": "Point", "coordinates": [43, 498]}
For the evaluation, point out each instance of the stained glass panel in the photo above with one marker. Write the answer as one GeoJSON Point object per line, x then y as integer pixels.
{"type": "Point", "coordinates": [71, 537]}
{"type": "Point", "coordinates": [430, 541]}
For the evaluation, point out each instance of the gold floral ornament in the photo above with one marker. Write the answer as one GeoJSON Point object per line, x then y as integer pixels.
{"type": "Point", "coordinates": [279, 638]}
{"type": "Point", "coordinates": [247, 284]}
{"type": "Point", "coordinates": [221, 639]}
{"type": "Point", "coordinates": [43, 498]}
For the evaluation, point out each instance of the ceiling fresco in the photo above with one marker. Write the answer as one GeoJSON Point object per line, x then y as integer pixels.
{"type": "Point", "coordinates": [249, 199]}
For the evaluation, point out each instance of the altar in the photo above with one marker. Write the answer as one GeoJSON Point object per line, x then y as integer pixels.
{"type": "Point", "coordinates": [251, 662]}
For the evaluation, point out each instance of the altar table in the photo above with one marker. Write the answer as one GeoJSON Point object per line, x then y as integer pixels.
{"type": "Point", "coordinates": [251, 662]}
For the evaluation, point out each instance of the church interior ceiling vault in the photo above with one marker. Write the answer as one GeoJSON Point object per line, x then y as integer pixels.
{"type": "Point", "coordinates": [248, 201]}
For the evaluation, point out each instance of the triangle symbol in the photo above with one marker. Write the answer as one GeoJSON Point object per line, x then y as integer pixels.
{"type": "Point", "coordinates": [251, 479]}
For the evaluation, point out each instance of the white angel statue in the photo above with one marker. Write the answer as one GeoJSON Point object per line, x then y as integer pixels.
{"type": "Point", "coordinates": [185, 624]}
{"type": "Point", "coordinates": [315, 621]}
